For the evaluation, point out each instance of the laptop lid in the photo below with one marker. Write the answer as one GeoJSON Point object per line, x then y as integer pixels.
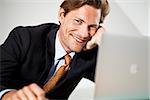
{"type": "Point", "coordinates": [122, 68]}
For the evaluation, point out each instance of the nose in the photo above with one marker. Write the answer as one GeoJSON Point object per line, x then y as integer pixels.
{"type": "Point", "coordinates": [84, 31]}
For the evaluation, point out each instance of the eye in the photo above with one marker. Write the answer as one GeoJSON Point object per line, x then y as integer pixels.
{"type": "Point", "coordinates": [77, 21]}
{"type": "Point", "coordinates": [93, 27]}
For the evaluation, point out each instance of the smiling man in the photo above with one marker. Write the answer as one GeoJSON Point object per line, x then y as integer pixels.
{"type": "Point", "coordinates": [34, 57]}
{"type": "Point", "coordinates": [78, 27]}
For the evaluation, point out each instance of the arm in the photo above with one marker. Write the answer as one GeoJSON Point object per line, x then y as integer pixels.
{"type": "Point", "coordinates": [12, 54]}
{"type": "Point", "coordinates": [94, 42]}
{"type": "Point", "coordinates": [30, 92]}
{"type": "Point", "coordinates": [9, 60]}
{"type": "Point", "coordinates": [4, 92]}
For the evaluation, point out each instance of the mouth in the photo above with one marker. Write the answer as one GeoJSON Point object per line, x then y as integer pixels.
{"type": "Point", "coordinates": [78, 39]}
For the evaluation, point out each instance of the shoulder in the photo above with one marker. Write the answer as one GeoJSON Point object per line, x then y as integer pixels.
{"type": "Point", "coordinates": [37, 29]}
{"type": "Point", "coordinates": [22, 38]}
{"type": "Point", "coordinates": [27, 34]}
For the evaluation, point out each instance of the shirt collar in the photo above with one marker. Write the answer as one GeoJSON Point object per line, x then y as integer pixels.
{"type": "Point", "coordinates": [59, 50]}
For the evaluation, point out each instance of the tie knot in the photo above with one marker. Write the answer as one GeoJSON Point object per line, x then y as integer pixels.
{"type": "Point", "coordinates": [67, 59]}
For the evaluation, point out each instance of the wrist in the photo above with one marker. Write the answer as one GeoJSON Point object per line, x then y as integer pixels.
{"type": "Point", "coordinates": [8, 94]}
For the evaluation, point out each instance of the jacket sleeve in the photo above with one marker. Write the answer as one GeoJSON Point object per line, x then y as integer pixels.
{"type": "Point", "coordinates": [90, 58]}
{"type": "Point", "coordinates": [12, 53]}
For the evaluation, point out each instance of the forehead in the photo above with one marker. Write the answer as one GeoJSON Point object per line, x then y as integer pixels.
{"type": "Point", "coordinates": [87, 13]}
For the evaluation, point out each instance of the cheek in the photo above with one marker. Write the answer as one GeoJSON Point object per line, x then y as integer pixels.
{"type": "Point", "coordinates": [68, 29]}
{"type": "Point", "coordinates": [65, 26]}
{"type": "Point", "coordinates": [70, 25]}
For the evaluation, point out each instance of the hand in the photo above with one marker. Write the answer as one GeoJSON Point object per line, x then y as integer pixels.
{"type": "Point", "coordinates": [96, 39]}
{"type": "Point", "coordinates": [30, 92]}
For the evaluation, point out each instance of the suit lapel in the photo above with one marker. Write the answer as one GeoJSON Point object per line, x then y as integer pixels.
{"type": "Point", "coordinates": [51, 45]}
{"type": "Point", "coordinates": [50, 50]}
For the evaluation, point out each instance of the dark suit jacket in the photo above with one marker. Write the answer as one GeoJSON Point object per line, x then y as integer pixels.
{"type": "Point", "coordinates": [27, 56]}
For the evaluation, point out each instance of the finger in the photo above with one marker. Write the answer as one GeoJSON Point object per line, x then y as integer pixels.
{"type": "Point", "coordinates": [8, 98]}
{"type": "Point", "coordinates": [8, 95]}
{"type": "Point", "coordinates": [101, 30]}
{"type": "Point", "coordinates": [90, 44]}
{"type": "Point", "coordinates": [14, 97]}
{"type": "Point", "coordinates": [28, 93]}
{"type": "Point", "coordinates": [21, 94]}
{"type": "Point", "coordinates": [37, 90]}
{"type": "Point", "coordinates": [41, 98]}
{"type": "Point", "coordinates": [98, 36]}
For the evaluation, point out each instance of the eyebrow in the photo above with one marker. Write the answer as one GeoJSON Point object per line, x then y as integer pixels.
{"type": "Point", "coordinates": [80, 19]}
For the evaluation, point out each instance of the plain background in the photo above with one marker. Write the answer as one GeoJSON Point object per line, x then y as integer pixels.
{"type": "Point", "coordinates": [127, 17]}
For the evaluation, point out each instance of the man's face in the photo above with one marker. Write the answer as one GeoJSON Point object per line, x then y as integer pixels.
{"type": "Point", "coordinates": [78, 27]}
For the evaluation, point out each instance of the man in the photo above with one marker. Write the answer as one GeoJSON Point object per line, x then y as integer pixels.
{"type": "Point", "coordinates": [30, 53]}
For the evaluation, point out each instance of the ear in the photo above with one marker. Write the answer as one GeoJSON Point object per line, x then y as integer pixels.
{"type": "Point", "coordinates": [61, 15]}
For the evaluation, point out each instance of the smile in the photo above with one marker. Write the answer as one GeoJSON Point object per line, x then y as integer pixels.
{"type": "Point", "coordinates": [79, 40]}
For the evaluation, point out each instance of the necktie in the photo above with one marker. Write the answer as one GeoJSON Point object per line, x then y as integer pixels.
{"type": "Point", "coordinates": [58, 75]}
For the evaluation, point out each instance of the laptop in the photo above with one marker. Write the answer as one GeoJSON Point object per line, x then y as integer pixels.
{"type": "Point", "coordinates": [122, 68]}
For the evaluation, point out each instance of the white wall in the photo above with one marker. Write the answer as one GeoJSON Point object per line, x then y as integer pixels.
{"type": "Point", "coordinates": [26, 12]}
{"type": "Point", "coordinates": [128, 17]}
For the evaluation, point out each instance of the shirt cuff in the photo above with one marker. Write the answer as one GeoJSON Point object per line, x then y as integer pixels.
{"type": "Point", "coordinates": [3, 92]}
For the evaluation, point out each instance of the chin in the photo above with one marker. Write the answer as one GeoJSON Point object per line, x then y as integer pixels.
{"type": "Point", "coordinates": [77, 49]}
